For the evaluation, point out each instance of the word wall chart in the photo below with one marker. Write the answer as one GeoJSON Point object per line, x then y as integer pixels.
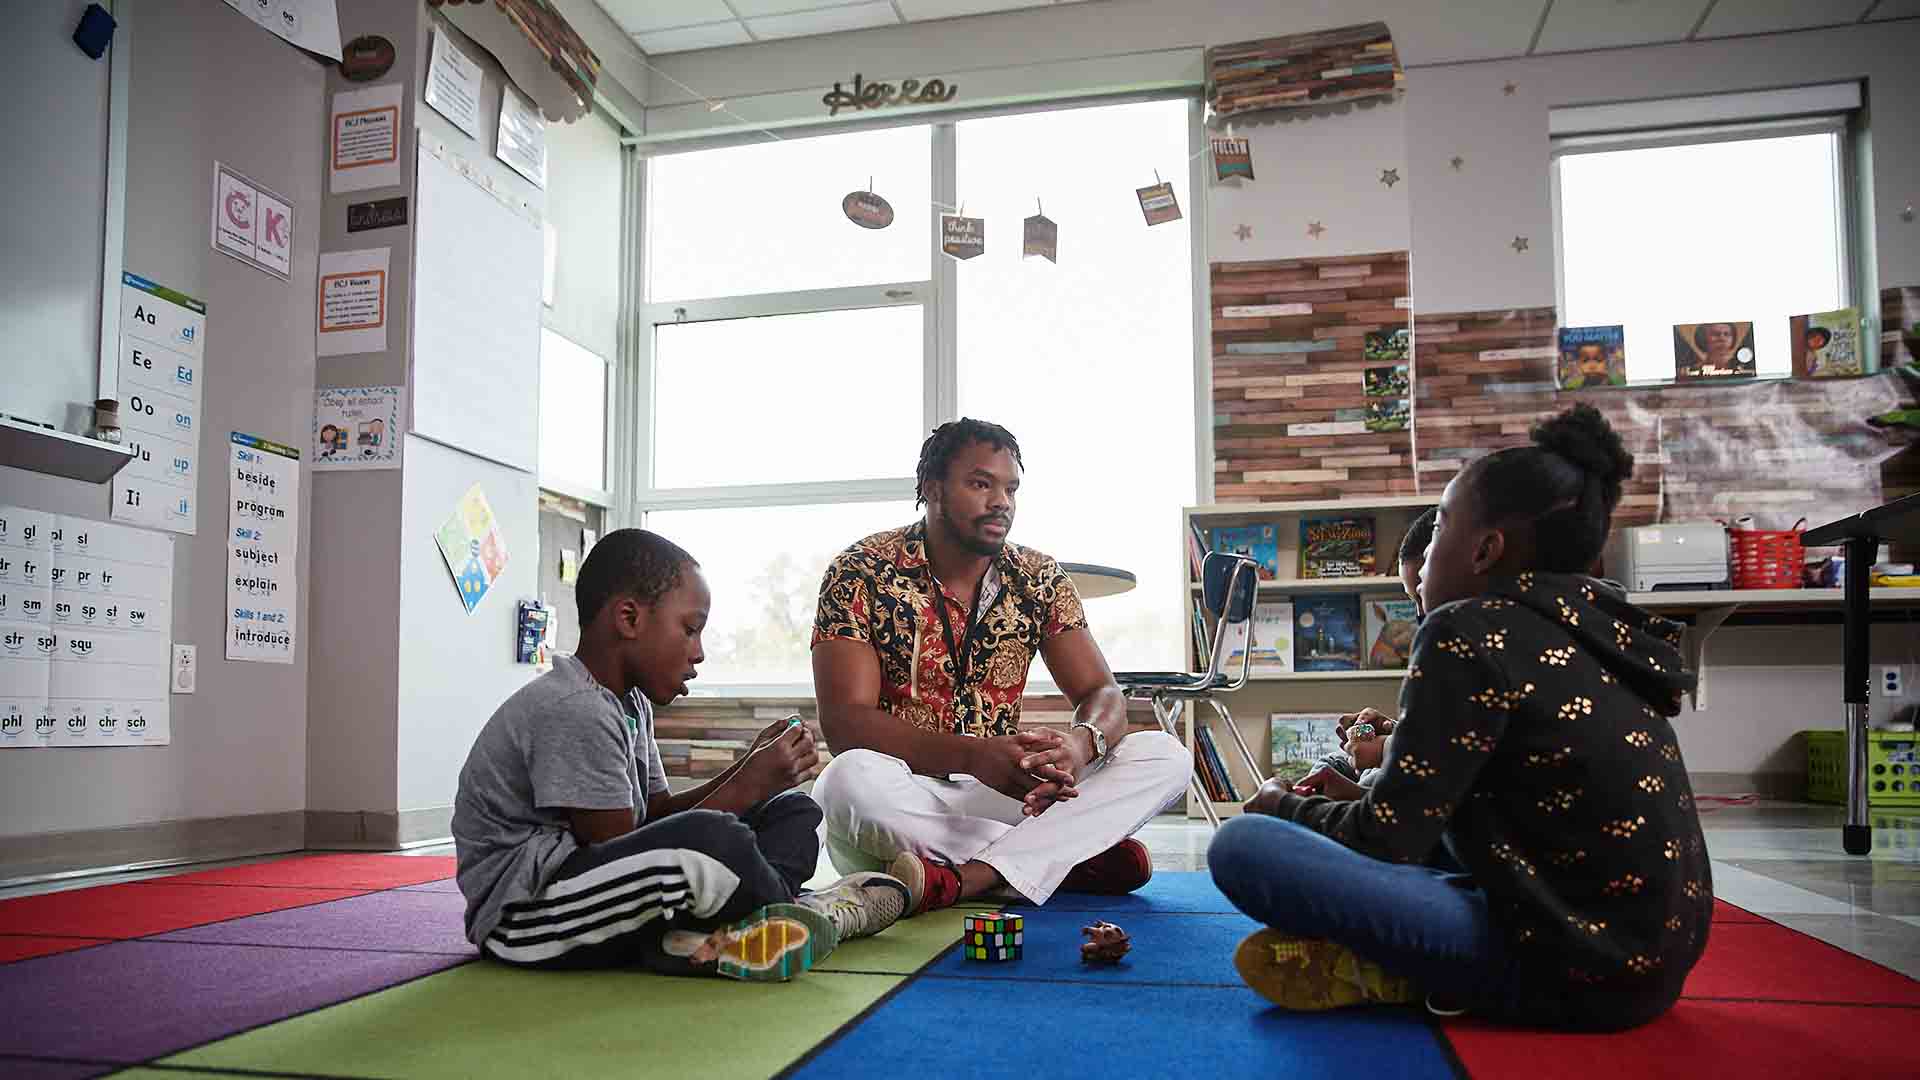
{"type": "Point", "coordinates": [162, 342]}
{"type": "Point", "coordinates": [86, 618]}
{"type": "Point", "coordinates": [263, 530]}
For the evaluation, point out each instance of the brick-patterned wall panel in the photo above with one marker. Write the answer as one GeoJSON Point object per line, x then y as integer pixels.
{"type": "Point", "coordinates": [1302, 364]}
{"type": "Point", "coordinates": [1777, 449]}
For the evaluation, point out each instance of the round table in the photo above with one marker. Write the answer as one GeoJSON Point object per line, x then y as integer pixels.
{"type": "Point", "coordinates": [1094, 581]}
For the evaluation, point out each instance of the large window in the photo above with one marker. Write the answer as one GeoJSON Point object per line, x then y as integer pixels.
{"type": "Point", "coordinates": [795, 361]}
{"type": "Point", "coordinates": [1741, 224]}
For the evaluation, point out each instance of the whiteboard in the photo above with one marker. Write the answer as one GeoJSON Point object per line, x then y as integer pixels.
{"type": "Point", "coordinates": [476, 319]}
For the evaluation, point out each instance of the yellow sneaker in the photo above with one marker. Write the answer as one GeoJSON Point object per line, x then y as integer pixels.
{"type": "Point", "coordinates": [1307, 975]}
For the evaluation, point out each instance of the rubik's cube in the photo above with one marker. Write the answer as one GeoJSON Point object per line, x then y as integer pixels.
{"type": "Point", "coordinates": [993, 935]}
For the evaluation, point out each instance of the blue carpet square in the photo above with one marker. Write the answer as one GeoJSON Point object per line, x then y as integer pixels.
{"type": "Point", "coordinates": [1195, 950]}
{"type": "Point", "coordinates": [985, 1028]}
{"type": "Point", "coordinates": [1169, 891]}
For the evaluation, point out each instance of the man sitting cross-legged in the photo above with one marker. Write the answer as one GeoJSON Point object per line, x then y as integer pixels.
{"type": "Point", "coordinates": [921, 647]}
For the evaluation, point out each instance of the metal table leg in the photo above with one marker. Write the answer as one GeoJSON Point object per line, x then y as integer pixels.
{"type": "Point", "coordinates": [1856, 836]}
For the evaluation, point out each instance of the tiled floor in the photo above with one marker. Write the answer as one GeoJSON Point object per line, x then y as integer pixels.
{"type": "Point", "coordinates": [1780, 860]}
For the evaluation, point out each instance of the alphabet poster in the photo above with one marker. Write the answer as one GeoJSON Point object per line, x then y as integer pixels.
{"type": "Point", "coordinates": [263, 531]}
{"type": "Point", "coordinates": [162, 340]}
{"type": "Point", "coordinates": [251, 223]}
{"type": "Point", "coordinates": [85, 630]}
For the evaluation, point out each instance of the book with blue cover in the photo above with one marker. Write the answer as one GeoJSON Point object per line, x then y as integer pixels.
{"type": "Point", "coordinates": [1326, 632]}
{"type": "Point", "coordinates": [1261, 543]}
{"type": "Point", "coordinates": [1592, 356]}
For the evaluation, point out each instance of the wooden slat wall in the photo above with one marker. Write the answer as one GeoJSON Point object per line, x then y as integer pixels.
{"type": "Point", "coordinates": [1273, 373]}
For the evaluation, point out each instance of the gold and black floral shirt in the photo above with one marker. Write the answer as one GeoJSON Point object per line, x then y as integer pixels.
{"type": "Point", "coordinates": [1535, 736]}
{"type": "Point", "coordinates": [881, 591]}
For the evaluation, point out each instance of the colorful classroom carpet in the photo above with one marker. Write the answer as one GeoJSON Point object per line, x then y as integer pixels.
{"type": "Point", "coordinates": [354, 966]}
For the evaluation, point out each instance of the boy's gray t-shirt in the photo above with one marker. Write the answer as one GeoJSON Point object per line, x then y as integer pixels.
{"type": "Point", "coordinates": [562, 742]}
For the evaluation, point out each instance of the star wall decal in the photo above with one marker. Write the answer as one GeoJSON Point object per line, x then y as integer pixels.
{"type": "Point", "coordinates": [1519, 244]}
{"type": "Point", "coordinates": [1244, 232]}
{"type": "Point", "coordinates": [1389, 177]}
{"type": "Point", "coordinates": [1510, 88]}
{"type": "Point", "coordinates": [1457, 162]}
{"type": "Point", "coordinates": [1314, 229]}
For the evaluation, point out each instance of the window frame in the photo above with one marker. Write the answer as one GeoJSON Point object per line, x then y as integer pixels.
{"type": "Point", "coordinates": [632, 469]}
{"type": "Point", "coordinates": [1853, 272]}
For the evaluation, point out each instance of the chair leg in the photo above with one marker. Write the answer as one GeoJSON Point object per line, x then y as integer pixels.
{"type": "Point", "coordinates": [1253, 766]}
{"type": "Point", "coordinates": [1168, 715]}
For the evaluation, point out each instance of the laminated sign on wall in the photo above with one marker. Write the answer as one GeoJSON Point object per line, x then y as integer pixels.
{"type": "Point", "coordinates": [85, 621]}
{"type": "Point", "coordinates": [162, 339]}
{"type": "Point", "coordinates": [251, 223]}
{"type": "Point", "coordinates": [263, 529]}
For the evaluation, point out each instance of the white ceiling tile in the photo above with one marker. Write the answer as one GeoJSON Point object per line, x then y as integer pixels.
{"type": "Point", "coordinates": [1769, 16]}
{"type": "Point", "coordinates": [689, 38]}
{"type": "Point", "coordinates": [754, 9]}
{"type": "Point", "coordinates": [636, 16]}
{"type": "Point", "coordinates": [825, 21]}
{"type": "Point", "coordinates": [1895, 9]}
{"type": "Point", "coordinates": [1425, 32]}
{"type": "Point", "coordinates": [923, 10]}
{"type": "Point", "coordinates": [1603, 24]}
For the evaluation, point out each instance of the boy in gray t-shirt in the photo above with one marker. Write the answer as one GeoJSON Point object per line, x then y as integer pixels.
{"type": "Point", "coordinates": [574, 852]}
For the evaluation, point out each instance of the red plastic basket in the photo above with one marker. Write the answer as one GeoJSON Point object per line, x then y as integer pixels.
{"type": "Point", "coordinates": [1768, 558]}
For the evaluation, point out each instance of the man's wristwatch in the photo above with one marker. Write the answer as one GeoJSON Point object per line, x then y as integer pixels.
{"type": "Point", "coordinates": [1099, 740]}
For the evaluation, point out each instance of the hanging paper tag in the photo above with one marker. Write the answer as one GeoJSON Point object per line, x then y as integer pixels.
{"type": "Point", "coordinates": [1158, 203]}
{"type": "Point", "coordinates": [1232, 157]}
{"type": "Point", "coordinates": [963, 237]}
{"type": "Point", "coordinates": [1042, 239]}
{"type": "Point", "coordinates": [867, 210]}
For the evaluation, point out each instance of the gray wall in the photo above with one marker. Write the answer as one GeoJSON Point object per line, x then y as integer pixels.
{"type": "Point", "coordinates": [50, 233]}
{"type": "Point", "coordinates": [583, 205]}
{"type": "Point", "coordinates": [239, 744]}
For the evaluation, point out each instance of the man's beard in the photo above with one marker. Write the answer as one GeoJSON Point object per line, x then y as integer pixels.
{"type": "Point", "coordinates": [971, 540]}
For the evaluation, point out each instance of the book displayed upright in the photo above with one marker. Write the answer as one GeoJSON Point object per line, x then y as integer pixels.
{"type": "Point", "coordinates": [1826, 345]}
{"type": "Point", "coordinates": [1713, 352]}
{"type": "Point", "coordinates": [1592, 356]}
{"type": "Point", "coordinates": [1326, 633]}
{"type": "Point", "coordinates": [1333, 547]}
{"type": "Point", "coordinates": [1390, 625]}
{"type": "Point", "coordinates": [1299, 740]}
{"type": "Point", "coordinates": [1261, 543]}
{"type": "Point", "coordinates": [1272, 638]}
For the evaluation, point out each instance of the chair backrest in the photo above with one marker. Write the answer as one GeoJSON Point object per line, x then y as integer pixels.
{"type": "Point", "coordinates": [1228, 585]}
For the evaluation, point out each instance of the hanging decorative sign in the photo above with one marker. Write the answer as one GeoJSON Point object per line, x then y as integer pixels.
{"type": "Point", "coordinates": [366, 58]}
{"type": "Point", "coordinates": [867, 210]}
{"type": "Point", "coordinates": [963, 237]}
{"type": "Point", "coordinates": [1159, 203]}
{"type": "Point", "coordinates": [1042, 238]}
{"type": "Point", "coordinates": [1232, 156]}
{"type": "Point", "coordinates": [880, 95]}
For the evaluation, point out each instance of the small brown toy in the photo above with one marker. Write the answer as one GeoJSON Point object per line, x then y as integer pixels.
{"type": "Point", "coordinates": [1106, 944]}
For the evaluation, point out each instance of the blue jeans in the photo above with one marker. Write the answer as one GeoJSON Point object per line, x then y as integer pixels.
{"type": "Point", "coordinates": [1430, 925]}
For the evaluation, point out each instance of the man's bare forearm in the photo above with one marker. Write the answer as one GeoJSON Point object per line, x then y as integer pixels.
{"type": "Point", "coordinates": [863, 727]}
{"type": "Point", "coordinates": [1106, 709]}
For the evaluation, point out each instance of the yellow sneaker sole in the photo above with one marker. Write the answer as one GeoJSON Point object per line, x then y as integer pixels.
{"type": "Point", "coordinates": [1307, 975]}
{"type": "Point", "coordinates": [774, 944]}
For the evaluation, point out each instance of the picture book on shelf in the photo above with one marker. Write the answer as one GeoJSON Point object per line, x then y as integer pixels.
{"type": "Point", "coordinates": [1390, 626]}
{"type": "Point", "coordinates": [1336, 547]}
{"type": "Point", "coordinates": [1388, 346]}
{"type": "Point", "coordinates": [1389, 380]}
{"type": "Point", "coordinates": [1389, 414]}
{"type": "Point", "coordinates": [1272, 638]}
{"type": "Point", "coordinates": [1706, 352]}
{"type": "Point", "coordinates": [1261, 543]}
{"type": "Point", "coordinates": [1299, 740]}
{"type": "Point", "coordinates": [1326, 632]}
{"type": "Point", "coordinates": [1592, 356]}
{"type": "Point", "coordinates": [1826, 345]}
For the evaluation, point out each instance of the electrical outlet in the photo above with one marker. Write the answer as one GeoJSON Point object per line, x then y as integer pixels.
{"type": "Point", "coordinates": [184, 669]}
{"type": "Point", "coordinates": [1893, 681]}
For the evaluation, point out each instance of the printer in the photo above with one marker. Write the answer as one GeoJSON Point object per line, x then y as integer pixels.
{"type": "Point", "coordinates": [1650, 558]}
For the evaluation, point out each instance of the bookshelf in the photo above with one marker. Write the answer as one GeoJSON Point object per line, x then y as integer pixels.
{"type": "Point", "coordinates": [1296, 691]}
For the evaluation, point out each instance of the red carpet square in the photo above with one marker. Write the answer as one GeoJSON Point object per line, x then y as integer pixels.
{"type": "Point", "coordinates": [1765, 961]}
{"type": "Point", "coordinates": [333, 871]}
{"type": "Point", "coordinates": [25, 948]}
{"type": "Point", "coordinates": [1703, 1039]}
{"type": "Point", "coordinates": [1724, 912]}
{"type": "Point", "coordinates": [140, 908]}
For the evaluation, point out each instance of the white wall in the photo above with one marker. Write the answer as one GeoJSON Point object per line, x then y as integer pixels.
{"type": "Point", "coordinates": [1463, 221]}
{"type": "Point", "coordinates": [239, 744]}
{"type": "Point", "coordinates": [1323, 166]}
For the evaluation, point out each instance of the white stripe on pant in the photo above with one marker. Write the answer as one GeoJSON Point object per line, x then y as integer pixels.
{"type": "Point", "coordinates": [635, 890]}
{"type": "Point", "coordinates": [877, 807]}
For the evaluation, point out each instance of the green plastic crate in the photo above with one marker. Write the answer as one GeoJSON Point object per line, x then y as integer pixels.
{"type": "Point", "coordinates": [1893, 767]}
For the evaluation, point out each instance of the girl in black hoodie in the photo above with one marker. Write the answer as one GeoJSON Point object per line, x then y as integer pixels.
{"type": "Point", "coordinates": [1534, 742]}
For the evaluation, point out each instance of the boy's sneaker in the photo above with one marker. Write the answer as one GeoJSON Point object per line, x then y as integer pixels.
{"type": "Point", "coordinates": [859, 905]}
{"type": "Point", "coordinates": [1116, 871]}
{"type": "Point", "coordinates": [1308, 975]}
{"type": "Point", "coordinates": [773, 944]}
{"type": "Point", "coordinates": [930, 885]}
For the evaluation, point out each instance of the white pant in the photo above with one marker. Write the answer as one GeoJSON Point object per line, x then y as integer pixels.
{"type": "Point", "coordinates": [876, 807]}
